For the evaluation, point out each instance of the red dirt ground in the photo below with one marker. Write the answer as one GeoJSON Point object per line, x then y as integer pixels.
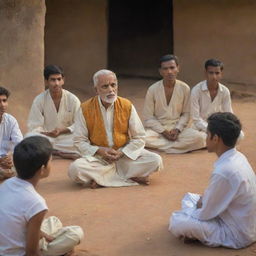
{"type": "Point", "coordinates": [133, 221]}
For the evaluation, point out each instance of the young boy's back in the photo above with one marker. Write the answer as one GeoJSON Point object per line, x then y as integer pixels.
{"type": "Point", "coordinates": [22, 209]}
{"type": "Point", "coordinates": [19, 203]}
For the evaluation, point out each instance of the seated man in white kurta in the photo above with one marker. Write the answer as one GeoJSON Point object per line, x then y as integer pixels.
{"type": "Point", "coordinates": [53, 114]}
{"type": "Point", "coordinates": [209, 96]}
{"type": "Point", "coordinates": [10, 136]}
{"type": "Point", "coordinates": [225, 214]}
{"type": "Point", "coordinates": [110, 137]}
{"type": "Point", "coordinates": [166, 112]}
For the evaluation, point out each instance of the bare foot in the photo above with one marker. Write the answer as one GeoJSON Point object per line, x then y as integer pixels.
{"type": "Point", "coordinates": [141, 180]}
{"type": "Point", "coordinates": [95, 185]}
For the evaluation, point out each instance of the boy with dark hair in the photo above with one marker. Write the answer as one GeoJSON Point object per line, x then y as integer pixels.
{"type": "Point", "coordinates": [52, 70]}
{"type": "Point", "coordinates": [225, 214]}
{"type": "Point", "coordinates": [52, 114]}
{"type": "Point", "coordinates": [10, 135]}
{"type": "Point", "coordinates": [22, 209]}
{"type": "Point", "coordinates": [209, 96]}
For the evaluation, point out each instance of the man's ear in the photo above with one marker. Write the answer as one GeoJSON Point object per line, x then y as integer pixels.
{"type": "Point", "coordinates": [95, 88]}
{"type": "Point", "coordinates": [42, 171]}
{"type": "Point", "coordinates": [216, 138]}
{"type": "Point", "coordinates": [160, 71]}
{"type": "Point", "coordinates": [46, 84]}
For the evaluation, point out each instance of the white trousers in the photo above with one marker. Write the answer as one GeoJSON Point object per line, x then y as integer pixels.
{"type": "Point", "coordinates": [212, 232]}
{"type": "Point", "coordinates": [117, 174]}
{"type": "Point", "coordinates": [66, 238]}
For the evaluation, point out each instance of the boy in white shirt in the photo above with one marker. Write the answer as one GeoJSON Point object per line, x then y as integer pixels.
{"type": "Point", "coordinates": [209, 96]}
{"type": "Point", "coordinates": [225, 214]}
{"type": "Point", "coordinates": [22, 209]}
{"type": "Point", "coordinates": [10, 136]}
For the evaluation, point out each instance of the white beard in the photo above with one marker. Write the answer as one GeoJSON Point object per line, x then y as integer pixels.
{"type": "Point", "coordinates": [108, 100]}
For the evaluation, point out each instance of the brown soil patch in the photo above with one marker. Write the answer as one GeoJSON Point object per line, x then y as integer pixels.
{"type": "Point", "coordinates": [133, 221]}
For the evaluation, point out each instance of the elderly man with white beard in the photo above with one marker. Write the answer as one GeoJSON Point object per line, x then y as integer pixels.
{"type": "Point", "coordinates": [111, 139]}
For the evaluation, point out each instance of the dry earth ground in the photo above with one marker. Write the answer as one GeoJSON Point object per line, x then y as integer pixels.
{"type": "Point", "coordinates": [133, 221]}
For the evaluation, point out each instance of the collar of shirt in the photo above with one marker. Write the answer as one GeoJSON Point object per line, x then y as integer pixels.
{"type": "Point", "coordinates": [225, 155]}
{"type": "Point", "coordinates": [3, 118]}
{"type": "Point", "coordinates": [20, 182]}
{"type": "Point", "coordinates": [205, 88]}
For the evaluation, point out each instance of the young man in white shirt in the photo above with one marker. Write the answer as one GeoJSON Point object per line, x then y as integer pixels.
{"type": "Point", "coordinates": [225, 214]}
{"type": "Point", "coordinates": [22, 209]}
{"type": "Point", "coordinates": [166, 112]}
{"type": "Point", "coordinates": [209, 96]}
{"type": "Point", "coordinates": [52, 114]}
{"type": "Point", "coordinates": [10, 136]}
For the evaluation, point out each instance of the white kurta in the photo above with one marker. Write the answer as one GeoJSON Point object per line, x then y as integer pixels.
{"type": "Point", "coordinates": [10, 134]}
{"type": "Point", "coordinates": [227, 217]}
{"type": "Point", "coordinates": [43, 117]}
{"type": "Point", "coordinates": [137, 162]}
{"type": "Point", "coordinates": [202, 105]}
{"type": "Point", "coordinates": [158, 116]}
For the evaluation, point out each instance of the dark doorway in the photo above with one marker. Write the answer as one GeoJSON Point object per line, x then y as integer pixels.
{"type": "Point", "coordinates": [140, 32]}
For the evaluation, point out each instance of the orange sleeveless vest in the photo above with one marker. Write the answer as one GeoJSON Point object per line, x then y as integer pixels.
{"type": "Point", "coordinates": [95, 125]}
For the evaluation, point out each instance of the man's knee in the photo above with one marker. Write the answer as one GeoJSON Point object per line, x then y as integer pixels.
{"type": "Point", "coordinates": [72, 171]}
{"type": "Point", "coordinates": [176, 225]}
{"type": "Point", "coordinates": [76, 174]}
{"type": "Point", "coordinates": [75, 233]}
{"type": "Point", "coordinates": [201, 138]}
{"type": "Point", "coordinates": [157, 160]}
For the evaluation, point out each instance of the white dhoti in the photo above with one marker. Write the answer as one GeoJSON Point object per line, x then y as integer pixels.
{"type": "Point", "coordinates": [66, 238]}
{"type": "Point", "coordinates": [212, 232]}
{"type": "Point", "coordinates": [63, 142]}
{"type": "Point", "coordinates": [188, 140]}
{"type": "Point", "coordinates": [84, 170]}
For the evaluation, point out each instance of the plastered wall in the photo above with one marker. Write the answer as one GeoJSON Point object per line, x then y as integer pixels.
{"type": "Point", "coordinates": [223, 29]}
{"type": "Point", "coordinates": [76, 39]}
{"type": "Point", "coordinates": [21, 53]}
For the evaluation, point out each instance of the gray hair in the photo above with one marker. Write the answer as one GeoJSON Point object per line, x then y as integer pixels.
{"type": "Point", "coordinates": [100, 73]}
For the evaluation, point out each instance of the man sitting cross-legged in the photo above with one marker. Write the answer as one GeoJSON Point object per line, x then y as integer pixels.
{"type": "Point", "coordinates": [110, 137]}
{"type": "Point", "coordinates": [225, 214]}
{"type": "Point", "coordinates": [10, 135]}
{"type": "Point", "coordinates": [53, 113]}
{"type": "Point", "coordinates": [166, 112]}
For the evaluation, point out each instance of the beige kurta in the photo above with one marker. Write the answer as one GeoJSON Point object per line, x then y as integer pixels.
{"type": "Point", "coordinates": [202, 105]}
{"type": "Point", "coordinates": [137, 162]}
{"type": "Point", "coordinates": [43, 117]}
{"type": "Point", "coordinates": [158, 116]}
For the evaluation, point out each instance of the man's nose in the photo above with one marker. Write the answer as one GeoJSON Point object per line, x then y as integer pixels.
{"type": "Point", "coordinates": [110, 88]}
{"type": "Point", "coordinates": [57, 82]}
{"type": "Point", "coordinates": [170, 71]}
